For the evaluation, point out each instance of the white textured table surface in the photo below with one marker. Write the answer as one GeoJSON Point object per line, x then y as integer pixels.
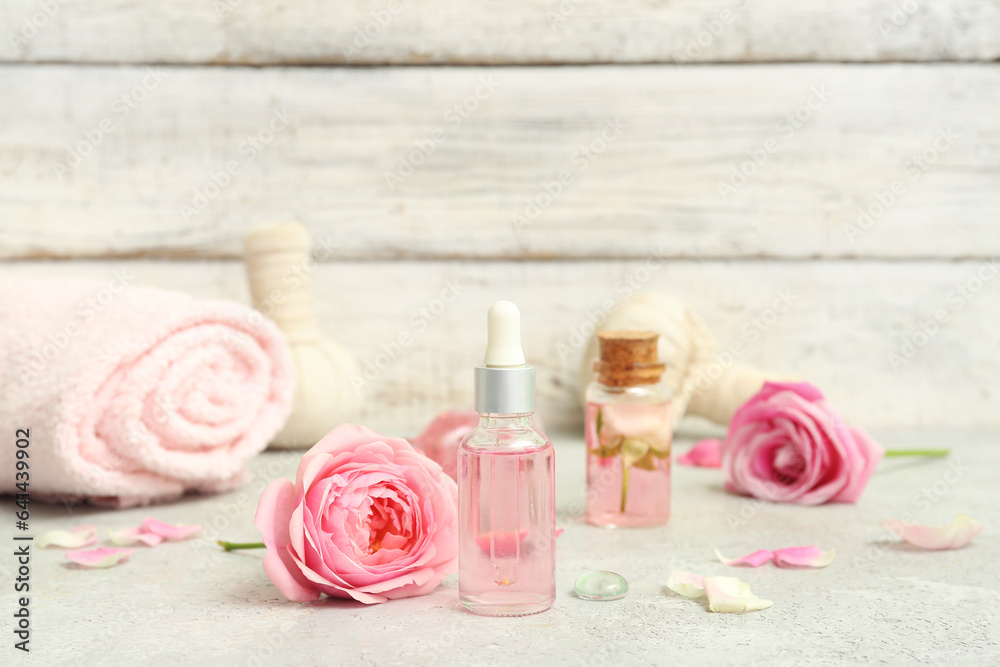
{"type": "Point", "coordinates": [878, 602]}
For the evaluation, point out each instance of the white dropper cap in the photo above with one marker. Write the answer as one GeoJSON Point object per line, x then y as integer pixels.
{"type": "Point", "coordinates": [504, 383]}
{"type": "Point", "coordinates": [503, 336]}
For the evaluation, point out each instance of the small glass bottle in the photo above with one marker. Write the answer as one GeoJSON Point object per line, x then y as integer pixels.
{"type": "Point", "coordinates": [506, 485]}
{"type": "Point", "coordinates": [629, 430]}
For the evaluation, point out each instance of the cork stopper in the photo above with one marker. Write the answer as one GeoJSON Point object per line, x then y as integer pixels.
{"type": "Point", "coordinates": [628, 358]}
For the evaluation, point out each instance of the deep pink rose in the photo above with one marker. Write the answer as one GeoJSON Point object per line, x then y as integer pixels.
{"type": "Point", "coordinates": [787, 444]}
{"type": "Point", "coordinates": [368, 518]}
{"type": "Point", "coordinates": [441, 438]}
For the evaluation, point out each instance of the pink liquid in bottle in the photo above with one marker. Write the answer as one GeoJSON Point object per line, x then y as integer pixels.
{"type": "Point", "coordinates": [628, 463]}
{"type": "Point", "coordinates": [506, 528]}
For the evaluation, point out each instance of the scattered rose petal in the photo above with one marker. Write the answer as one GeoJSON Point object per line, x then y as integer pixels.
{"type": "Point", "coordinates": [789, 557]}
{"type": "Point", "coordinates": [729, 594]}
{"type": "Point", "coordinates": [686, 584]}
{"type": "Point", "coordinates": [756, 559]}
{"type": "Point", "coordinates": [81, 536]}
{"type": "Point", "coordinates": [803, 557]}
{"type": "Point", "coordinates": [168, 531]}
{"type": "Point", "coordinates": [559, 530]}
{"type": "Point", "coordinates": [704, 454]}
{"type": "Point", "coordinates": [130, 536]}
{"type": "Point", "coordinates": [955, 536]}
{"type": "Point", "coordinates": [102, 557]}
{"type": "Point", "coordinates": [152, 532]}
{"type": "Point", "coordinates": [725, 594]}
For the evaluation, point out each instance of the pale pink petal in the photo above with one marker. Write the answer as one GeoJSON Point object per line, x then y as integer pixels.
{"type": "Point", "coordinates": [954, 536]}
{"type": "Point", "coordinates": [130, 536]}
{"type": "Point", "coordinates": [102, 557]}
{"type": "Point", "coordinates": [152, 532]}
{"type": "Point", "coordinates": [729, 594]}
{"type": "Point", "coordinates": [167, 531]}
{"type": "Point", "coordinates": [803, 557]}
{"type": "Point", "coordinates": [756, 559]}
{"type": "Point", "coordinates": [280, 564]}
{"type": "Point", "coordinates": [622, 419]}
{"type": "Point", "coordinates": [441, 438]}
{"type": "Point", "coordinates": [704, 454]}
{"type": "Point", "coordinates": [81, 536]}
{"type": "Point", "coordinates": [725, 594]}
{"type": "Point", "coordinates": [686, 584]}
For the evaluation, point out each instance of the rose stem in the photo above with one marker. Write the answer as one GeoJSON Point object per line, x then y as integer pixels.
{"type": "Point", "coordinates": [917, 452]}
{"type": "Point", "coordinates": [232, 546]}
{"type": "Point", "coordinates": [625, 470]}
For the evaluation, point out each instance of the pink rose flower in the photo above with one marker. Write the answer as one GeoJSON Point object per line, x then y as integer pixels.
{"type": "Point", "coordinates": [787, 444]}
{"type": "Point", "coordinates": [441, 438]}
{"type": "Point", "coordinates": [368, 518]}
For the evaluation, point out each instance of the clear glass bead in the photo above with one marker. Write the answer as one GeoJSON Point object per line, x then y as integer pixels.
{"type": "Point", "coordinates": [600, 585]}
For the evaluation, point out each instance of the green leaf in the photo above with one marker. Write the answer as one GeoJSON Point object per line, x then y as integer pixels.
{"type": "Point", "coordinates": [647, 462]}
{"type": "Point", "coordinates": [660, 453]}
{"type": "Point", "coordinates": [600, 422]}
{"type": "Point", "coordinates": [607, 451]}
{"type": "Point", "coordinates": [661, 447]}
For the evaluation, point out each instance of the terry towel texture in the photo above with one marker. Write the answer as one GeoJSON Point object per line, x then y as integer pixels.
{"type": "Point", "coordinates": [134, 395]}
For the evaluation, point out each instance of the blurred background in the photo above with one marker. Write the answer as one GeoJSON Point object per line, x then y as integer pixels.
{"type": "Point", "coordinates": [842, 159]}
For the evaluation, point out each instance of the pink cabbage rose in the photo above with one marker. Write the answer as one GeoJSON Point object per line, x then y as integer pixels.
{"type": "Point", "coordinates": [368, 518]}
{"type": "Point", "coordinates": [441, 438]}
{"type": "Point", "coordinates": [787, 444]}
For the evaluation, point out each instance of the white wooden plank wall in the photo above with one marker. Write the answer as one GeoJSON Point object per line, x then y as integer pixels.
{"type": "Point", "coordinates": [681, 172]}
{"type": "Point", "coordinates": [500, 32]}
{"type": "Point", "coordinates": [745, 161]}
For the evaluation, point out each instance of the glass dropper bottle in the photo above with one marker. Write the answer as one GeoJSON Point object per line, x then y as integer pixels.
{"type": "Point", "coordinates": [506, 485]}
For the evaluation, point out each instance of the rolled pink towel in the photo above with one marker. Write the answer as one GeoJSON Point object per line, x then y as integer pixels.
{"type": "Point", "coordinates": [134, 395]}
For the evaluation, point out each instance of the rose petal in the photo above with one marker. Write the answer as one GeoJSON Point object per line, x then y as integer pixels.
{"type": "Point", "coordinates": [130, 536]}
{"type": "Point", "coordinates": [871, 453]}
{"type": "Point", "coordinates": [74, 538]}
{"type": "Point", "coordinates": [705, 454]}
{"type": "Point", "coordinates": [280, 563]}
{"type": "Point", "coordinates": [954, 536]}
{"type": "Point", "coordinates": [756, 559]}
{"type": "Point", "coordinates": [810, 556]}
{"type": "Point", "coordinates": [623, 420]}
{"type": "Point", "coordinates": [168, 531]}
{"type": "Point", "coordinates": [789, 557]}
{"type": "Point", "coordinates": [686, 584]}
{"type": "Point", "coordinates": [729, 594]}
{"type": "Point", "coordinates": [102, 557]}
{"type": "Point", "coordinates": [440, 440]}
{"type": "Point", "coordinates": [152, 532]}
